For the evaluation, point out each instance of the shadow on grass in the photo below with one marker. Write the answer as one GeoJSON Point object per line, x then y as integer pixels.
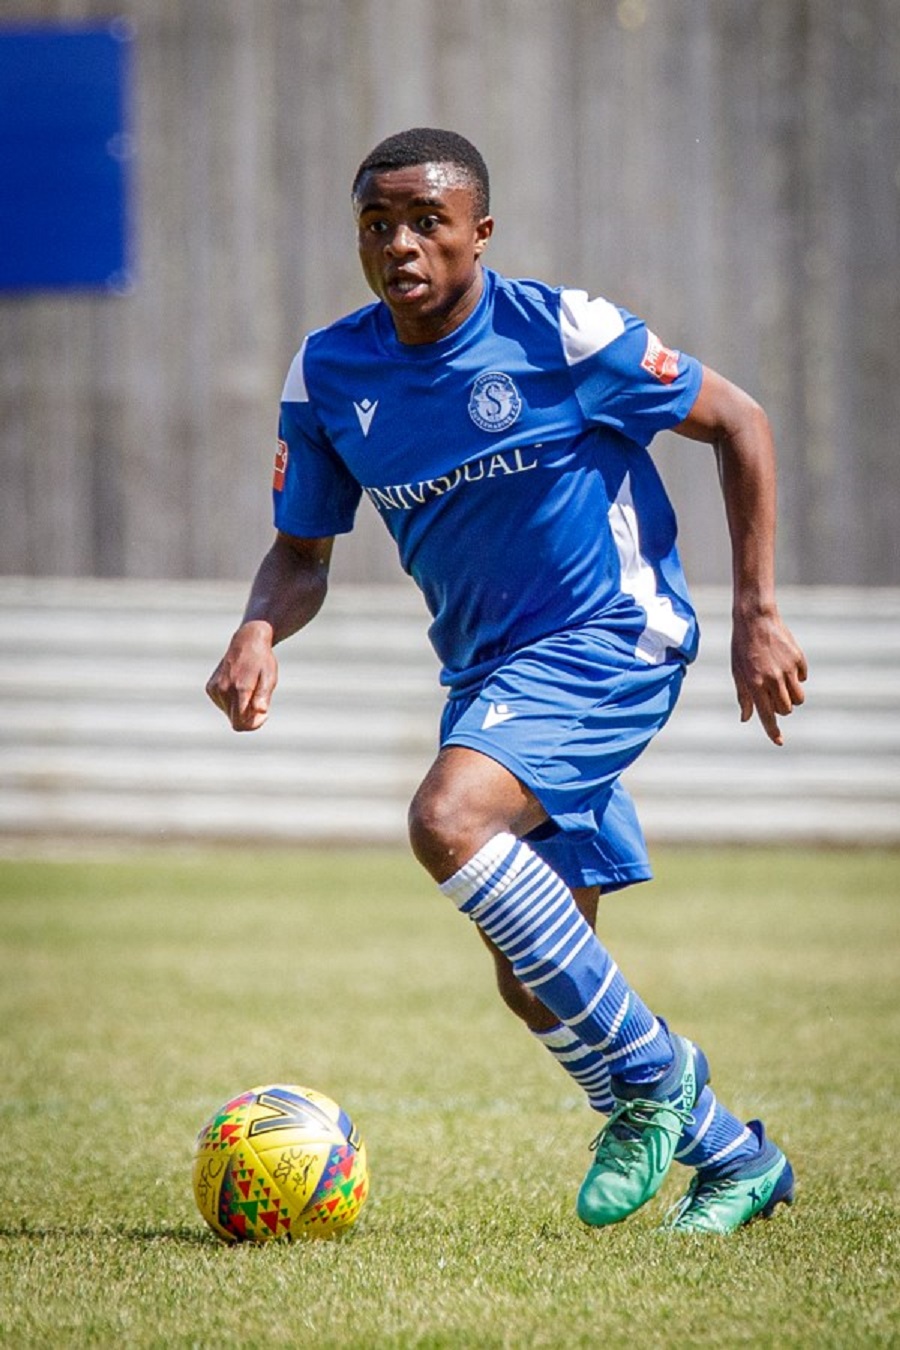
{"type": "Point", "coordinates": [181, 1234]}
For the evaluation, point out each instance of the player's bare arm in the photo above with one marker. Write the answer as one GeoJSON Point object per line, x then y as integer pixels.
{"type": "Point", "coordinates": [767, 664]}
{"type": "Point", "coordinates": [287, 592]}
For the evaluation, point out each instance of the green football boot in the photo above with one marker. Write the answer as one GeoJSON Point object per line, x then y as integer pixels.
{"type": "Point", "coordinates": [634, 1150]}
{"type": "Point", "coordinates": [722, 1204]}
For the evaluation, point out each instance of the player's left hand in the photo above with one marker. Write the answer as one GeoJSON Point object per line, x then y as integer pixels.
{"type": "Point", "coordinates": [769, 670]}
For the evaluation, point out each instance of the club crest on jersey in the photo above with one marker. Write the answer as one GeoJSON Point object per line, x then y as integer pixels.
{"type": "Point", "coordinates": [660, 361]}
{"type": "Point", "coordinates": [495, 402]}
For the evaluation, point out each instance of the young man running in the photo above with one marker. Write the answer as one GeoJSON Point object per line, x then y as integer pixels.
{"type": "Point", "coordinates": [500, 429]}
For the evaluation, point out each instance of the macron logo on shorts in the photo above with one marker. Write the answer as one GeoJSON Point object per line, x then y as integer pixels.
{"type": "Point", "coordinates": [496, 713]}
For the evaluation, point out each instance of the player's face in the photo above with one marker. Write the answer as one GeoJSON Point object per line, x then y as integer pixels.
{"type": "Point", "coordinates": [420, 241]}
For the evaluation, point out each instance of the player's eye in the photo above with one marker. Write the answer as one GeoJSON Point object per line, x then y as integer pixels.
{"type": "Point", "coordinates": [427, 224]}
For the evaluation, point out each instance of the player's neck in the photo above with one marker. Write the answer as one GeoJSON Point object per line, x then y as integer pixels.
{"type": "Point", "coordinates": [416, 329]}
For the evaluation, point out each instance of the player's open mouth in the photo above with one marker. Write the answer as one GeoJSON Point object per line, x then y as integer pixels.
{"type": "Point", "coordinates": [405, 287]}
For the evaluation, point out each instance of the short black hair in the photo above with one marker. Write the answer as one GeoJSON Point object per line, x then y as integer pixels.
{"type": "Point", "coordinates": [430, 145]}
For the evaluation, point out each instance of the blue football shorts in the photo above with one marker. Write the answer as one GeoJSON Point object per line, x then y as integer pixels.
{"type": "Point", "coordinates": [567, 715]}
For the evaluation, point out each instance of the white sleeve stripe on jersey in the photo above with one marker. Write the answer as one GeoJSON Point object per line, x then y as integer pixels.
{"type": "Point", "coordinates": [587, 326]}
{"type": "Point", "coordinates": [294, 390]}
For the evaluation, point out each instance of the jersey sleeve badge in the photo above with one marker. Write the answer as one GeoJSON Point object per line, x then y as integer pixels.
{"type": "Point", "coordinates": [281, 459]}
{"type": "Point", "coordinates": [659, 361]}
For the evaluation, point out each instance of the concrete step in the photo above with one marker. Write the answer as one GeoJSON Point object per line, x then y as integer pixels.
{"type": "Point", "coordinates": [108, 732]}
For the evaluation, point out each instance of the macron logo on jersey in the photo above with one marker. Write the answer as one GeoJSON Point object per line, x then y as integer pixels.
{"type": "Point", "coordinates": [365, 411]}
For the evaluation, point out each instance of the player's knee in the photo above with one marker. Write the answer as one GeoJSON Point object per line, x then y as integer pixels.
{"type": "Point", "coordinates": [437, 831]}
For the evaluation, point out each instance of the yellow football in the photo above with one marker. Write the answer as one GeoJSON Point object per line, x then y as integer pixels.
{"type": "Point", "coordinates": [280, 1161]}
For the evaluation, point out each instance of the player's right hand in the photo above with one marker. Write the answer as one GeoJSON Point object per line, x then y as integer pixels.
{"type": "Point", "coordinates": [243, 682]}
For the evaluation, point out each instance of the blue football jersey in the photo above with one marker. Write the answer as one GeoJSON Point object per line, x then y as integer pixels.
{"type": "Point", "coordinates": [508, 461]}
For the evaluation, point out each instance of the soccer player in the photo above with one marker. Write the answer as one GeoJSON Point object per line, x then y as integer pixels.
{"type": "Point", "coordinates": [500, 429]}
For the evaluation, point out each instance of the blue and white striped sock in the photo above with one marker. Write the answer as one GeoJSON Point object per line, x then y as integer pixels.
{"type": "Point", "coordinates": [715, 1139]}
{"type": "Point", "coordinates": [530, 915]}
{"type": "Point", "coordinates": [584, 1066]}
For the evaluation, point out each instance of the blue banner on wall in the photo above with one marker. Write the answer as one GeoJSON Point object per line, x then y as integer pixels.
{"type": "Point", "coordinates": [66, 151]}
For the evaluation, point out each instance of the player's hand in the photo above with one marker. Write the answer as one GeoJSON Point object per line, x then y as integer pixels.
{"type": "Point", "coordinates": [769, 670]}
{"type": "Point", "coordinates": [243, 682]}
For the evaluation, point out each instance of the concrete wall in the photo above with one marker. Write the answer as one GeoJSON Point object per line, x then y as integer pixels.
{"type": "Point", "coordinates": [726, 168]}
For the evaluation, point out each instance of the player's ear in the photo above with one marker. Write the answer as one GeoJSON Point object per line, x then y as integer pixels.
{"type": "Point", "coordinates": [484, 228]}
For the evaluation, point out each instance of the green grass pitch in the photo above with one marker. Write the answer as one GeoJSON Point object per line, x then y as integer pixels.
{"type": "Point", "coordinates": [138, 993]}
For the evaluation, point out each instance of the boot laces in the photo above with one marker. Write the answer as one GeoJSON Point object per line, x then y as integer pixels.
{"type": "Point", "coordinates": [620, 1137]}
